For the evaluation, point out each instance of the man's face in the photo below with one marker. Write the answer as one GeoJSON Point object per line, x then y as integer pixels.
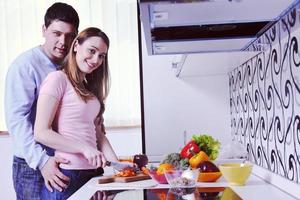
{"type": "Point", "coordinates": [58, 39]}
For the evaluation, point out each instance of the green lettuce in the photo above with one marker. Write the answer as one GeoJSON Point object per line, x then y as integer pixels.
{"type": "Point", "coordinates": [208, 144]}
{"type": "Point", "coordinates": [176, 160]}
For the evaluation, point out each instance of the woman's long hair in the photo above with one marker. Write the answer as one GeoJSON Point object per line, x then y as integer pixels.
{"type": "Point", "coordinates": [96, 83]}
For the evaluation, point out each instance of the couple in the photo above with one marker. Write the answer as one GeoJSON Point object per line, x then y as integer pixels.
{"type": "Point", "coordinates": [54, 98]}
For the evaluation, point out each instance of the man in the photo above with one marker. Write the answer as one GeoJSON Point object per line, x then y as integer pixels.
{"type": "Point", "coordinates": [31, 164]}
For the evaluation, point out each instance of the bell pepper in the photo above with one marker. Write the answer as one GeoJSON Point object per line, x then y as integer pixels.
{"type": "Point", "coordinates": [197, 159]}
{"type": "Point", "coordinates": [190, 149]}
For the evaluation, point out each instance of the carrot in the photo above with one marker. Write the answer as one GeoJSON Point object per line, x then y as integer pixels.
{"type": "Point", "coordinates": [145, 170]}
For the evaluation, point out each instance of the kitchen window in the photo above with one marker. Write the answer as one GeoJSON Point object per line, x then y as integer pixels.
{"type": "Point", "coordinates": [21, 29]}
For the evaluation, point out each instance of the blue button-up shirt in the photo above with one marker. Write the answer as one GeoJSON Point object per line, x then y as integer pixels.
{"type": "Point", "coordinates": [23, 81]}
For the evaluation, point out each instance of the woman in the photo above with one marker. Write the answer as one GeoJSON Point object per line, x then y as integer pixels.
{"type": "Point", "coordinates": [69, 108]}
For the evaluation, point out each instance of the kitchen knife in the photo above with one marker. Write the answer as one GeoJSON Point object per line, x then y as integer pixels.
{"type": "Point", "coordinates": [120, 165]}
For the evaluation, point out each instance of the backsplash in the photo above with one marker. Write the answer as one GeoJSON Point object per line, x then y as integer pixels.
{"type": "Point", "coordinates": [265, 99]}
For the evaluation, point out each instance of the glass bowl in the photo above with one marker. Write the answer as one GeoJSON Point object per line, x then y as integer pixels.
{"type": "Point", "coordinates": [159, 178]}
{"type": "Point", "coordinates": [179, 178]}
{"type": "Point", "coordinates": [182, 193]}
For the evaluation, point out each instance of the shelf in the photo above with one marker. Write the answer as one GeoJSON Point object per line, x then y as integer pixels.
{"type": "Point", "coordinates": [208, 64]}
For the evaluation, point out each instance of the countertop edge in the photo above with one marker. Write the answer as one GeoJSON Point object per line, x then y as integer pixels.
{"type": "Point", "coordinates": [255, 183]}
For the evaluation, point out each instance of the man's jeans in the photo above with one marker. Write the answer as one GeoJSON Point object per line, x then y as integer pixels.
{"type": "Point", "coordinates": [27, 181]}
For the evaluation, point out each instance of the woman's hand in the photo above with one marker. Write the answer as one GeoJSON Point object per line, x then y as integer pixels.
{"type": "Point", "coordinates": [95, 157]}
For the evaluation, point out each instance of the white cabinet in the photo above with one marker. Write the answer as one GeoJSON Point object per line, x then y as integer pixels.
{"type": "Point", "coordinates": [176, 27]}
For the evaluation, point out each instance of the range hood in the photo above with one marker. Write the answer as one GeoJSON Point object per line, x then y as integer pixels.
{"type": "Point", "coordinates": [196, 26]}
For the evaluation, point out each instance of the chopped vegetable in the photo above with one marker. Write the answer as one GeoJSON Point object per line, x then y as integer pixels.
{"type": "Point", "coordinates": [190, 149]}
{"type": "Point", "coordinates": [126, 173]}
{"type": "Point", "coordinates": [182, 182]}
{"type": "Point", "coordinates": [145, 170]}
{"type": "Point", "coordinates": [208, 144]}
{"type": "Point", "coordinates": [176, 160]}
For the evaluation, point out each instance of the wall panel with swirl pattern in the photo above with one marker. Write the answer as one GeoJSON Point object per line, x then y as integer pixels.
{"type": "Point", "coordinates": [265, 99]}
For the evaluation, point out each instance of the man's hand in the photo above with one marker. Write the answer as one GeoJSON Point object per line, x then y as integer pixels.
{"type": "Point", "coordinates": [53, 177]}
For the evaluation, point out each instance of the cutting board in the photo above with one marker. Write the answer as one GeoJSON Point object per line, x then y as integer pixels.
{"type": "Point", "coordinates": [112, 178]}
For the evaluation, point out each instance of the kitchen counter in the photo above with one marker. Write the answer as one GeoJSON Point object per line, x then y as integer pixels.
{"type": "Point", "coordinates": [255, 188]}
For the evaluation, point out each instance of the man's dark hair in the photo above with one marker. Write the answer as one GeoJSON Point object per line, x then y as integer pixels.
{"type": "Point", "coordinates": [62, 12]}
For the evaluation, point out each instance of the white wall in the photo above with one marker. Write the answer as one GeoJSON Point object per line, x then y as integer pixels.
{"type": "Point", "coordinates": [173, 105]}
{"type": "Point", "coordinates": [125, 142]}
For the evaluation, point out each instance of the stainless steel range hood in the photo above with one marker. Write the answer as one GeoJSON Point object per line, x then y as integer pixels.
{"type": "Point", "coordinates": [193, 26]}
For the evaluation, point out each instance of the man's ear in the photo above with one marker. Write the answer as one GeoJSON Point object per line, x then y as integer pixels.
{"type": "Point", "coordinates": [44, 30]}
{"type": "Point", "coordinates": [75, 46]}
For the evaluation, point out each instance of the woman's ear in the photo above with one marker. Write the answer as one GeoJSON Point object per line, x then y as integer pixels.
{"type": "Point", "coordinates": [75, 46]}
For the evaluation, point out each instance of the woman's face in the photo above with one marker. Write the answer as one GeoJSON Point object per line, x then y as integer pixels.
{"type": "Point", "coordinates": [90, 54]}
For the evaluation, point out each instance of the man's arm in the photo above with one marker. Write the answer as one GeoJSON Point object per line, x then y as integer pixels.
{"type": "Point", "coordinates": [20, 96]}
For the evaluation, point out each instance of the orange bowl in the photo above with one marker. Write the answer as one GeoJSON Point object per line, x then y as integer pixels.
{"type": "Point", "coordinates": [209, 176]}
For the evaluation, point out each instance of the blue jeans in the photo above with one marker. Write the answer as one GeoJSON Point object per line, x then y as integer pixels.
{"type": "Point", "coordinates": [28, 182]}
{"type": "Point", "coordinates": [77, 179]}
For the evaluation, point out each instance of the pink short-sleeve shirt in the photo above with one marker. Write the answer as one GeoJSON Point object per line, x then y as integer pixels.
{"type": "Point", "coordinates": [74, 118]}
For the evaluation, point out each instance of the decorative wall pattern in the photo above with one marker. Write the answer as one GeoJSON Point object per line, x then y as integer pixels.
{"type": "Point", "coordinates": [265, 99]}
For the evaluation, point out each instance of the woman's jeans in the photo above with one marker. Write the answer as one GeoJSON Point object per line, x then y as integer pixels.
{"type": "Point", "coordinates": [77, 179]}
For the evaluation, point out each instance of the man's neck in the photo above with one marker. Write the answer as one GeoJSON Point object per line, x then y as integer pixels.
{"type": "Point", "coordinates": [54, 61]}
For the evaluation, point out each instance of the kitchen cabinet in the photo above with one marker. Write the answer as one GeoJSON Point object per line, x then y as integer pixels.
{"type": "Point", "coordinates": [174, 27]}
